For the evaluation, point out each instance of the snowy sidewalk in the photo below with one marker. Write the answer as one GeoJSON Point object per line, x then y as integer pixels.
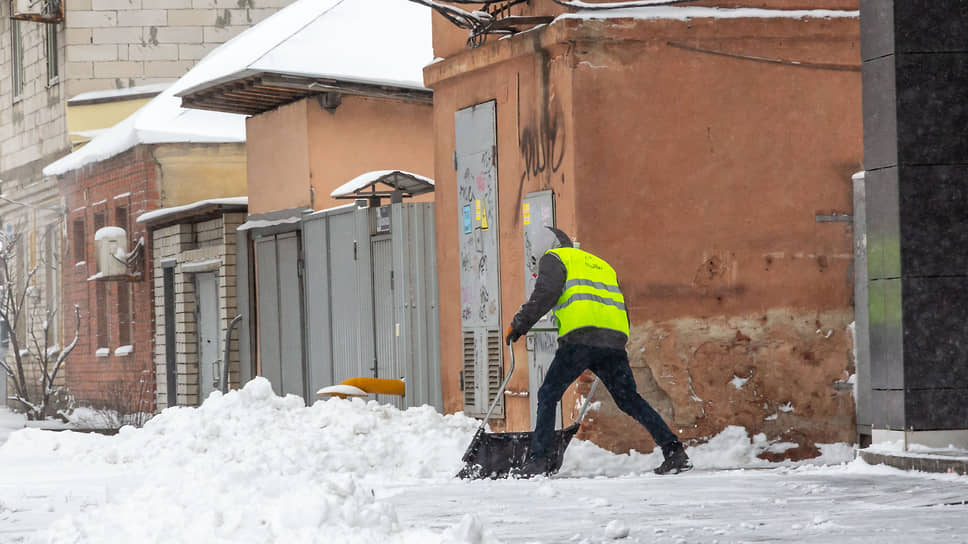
{"type": "Point", "coordinates": [9, 422]}
{"type": "Point", "coordinates": [252, 467]}
{"type": "Point", "coordinates": [853, 503]}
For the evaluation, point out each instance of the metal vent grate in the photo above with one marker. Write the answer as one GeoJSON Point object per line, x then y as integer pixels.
{"type": "Point", "coordinates": [495, 370]}
{"type": "Point", "coordinates": [468, 381]}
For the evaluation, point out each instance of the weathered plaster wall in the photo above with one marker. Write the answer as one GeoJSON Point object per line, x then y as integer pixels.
{"type": "Point", "coordinates": [366, 134]}
{"type": "Point", "coordinates": [194, 172]}
{"type": "Point", "coordinates": [705, 193]}
{"type": "Point", "coordinates": [299, 153]}
{"type": "Point", "coordinates": [699, 176]}
{"type": "Point", "coordinates": [449, 40]}
{"type": "Point", "coordinates": [277, 144]}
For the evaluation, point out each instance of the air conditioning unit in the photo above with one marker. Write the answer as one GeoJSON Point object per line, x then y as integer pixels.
{"type": "Point", "coordinates": [111, 249]}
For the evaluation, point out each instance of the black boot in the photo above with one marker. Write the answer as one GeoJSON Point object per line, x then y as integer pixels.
{"type": "Point", "coordinates": [534, 466]}
{"type": "Point", "coordinates": [676, 460]}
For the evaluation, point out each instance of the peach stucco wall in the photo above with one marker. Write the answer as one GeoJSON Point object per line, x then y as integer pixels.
{"type": "Point", "coordinates": [277, 143]}
{"type": "Point", "coordinates": [300, 152]}
{"type": "Point", "coordinates": [366, 134]}
{"type": "Point", "coordinates": [699, 175]}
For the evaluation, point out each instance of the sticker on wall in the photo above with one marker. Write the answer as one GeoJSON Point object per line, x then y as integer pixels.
{"type": "Point", "coordinates": [468, 224]}
{"type": "Point", "coordinates": [477, 204]}
{"type": "Point", "coordinates": [483, 218]}
{"type": "Point", "coordinates": [527, 213]}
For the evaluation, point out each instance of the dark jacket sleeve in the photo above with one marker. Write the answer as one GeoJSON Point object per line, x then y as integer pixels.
{"type": "Point", "coordinates": [547, 289]}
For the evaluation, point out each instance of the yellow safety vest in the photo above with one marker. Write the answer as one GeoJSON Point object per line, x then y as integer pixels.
{"type": "Point", "coordinates": [591, 297]}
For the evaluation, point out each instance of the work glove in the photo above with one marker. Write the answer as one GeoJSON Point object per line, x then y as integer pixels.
{"type": "Point", "coordinates": [511, 335]}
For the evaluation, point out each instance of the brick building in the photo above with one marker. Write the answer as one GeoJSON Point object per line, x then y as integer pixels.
{"type": "Point", "coordinates": [112, 360]}
{"type": "Point", "coordinates": [159, 157]}
{"type": "Point", "coordinates": [92, 46]}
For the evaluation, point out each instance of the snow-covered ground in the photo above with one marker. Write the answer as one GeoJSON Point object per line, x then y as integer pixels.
{"type": "Point", "coordinates": [253, 467]}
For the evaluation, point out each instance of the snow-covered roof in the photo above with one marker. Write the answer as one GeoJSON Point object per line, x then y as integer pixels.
{"type": "Point", "coordinates": [407, 182]}
{"type": "Point", "coordinates": [155, 215]}
{"type": "Point", "coordinates": [119, 94]}
{"type": "Point", "coordinates": [162, 120]}
{"type": "Point", "coordinates": [383, 42]}
{"type": "Point", "coordinates": [684, 13]}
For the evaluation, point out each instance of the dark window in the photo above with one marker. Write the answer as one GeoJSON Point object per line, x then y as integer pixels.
{"type": "Point", "coordinates": [100, 292]}
{"type": "Point", "coordinates": [101, 304]}
{"type": "Point", "coordinates": [16, 60]}
{"type": "Point", "coordinates": [125, 318]}
{"type": "Point", "coordinates": [121, 217]}
{"type": "Point", "coordinates": [51, 280]}
{"type": "Point", "coordinates": [99, 221]}
{"type": "Point", "coordinates": [124, 313]}
{"type": "Point", "coordinates": [52, 68]}
{"type": "Point", "coordinates": [80, 241]}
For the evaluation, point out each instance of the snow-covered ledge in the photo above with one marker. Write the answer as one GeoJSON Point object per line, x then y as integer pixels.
{"type": "Point", "coordinates": [957, 439]}
{"type": "Point", "coordinates": [102, 352]}
{"type": "Point", "coordinates": [124, 350]}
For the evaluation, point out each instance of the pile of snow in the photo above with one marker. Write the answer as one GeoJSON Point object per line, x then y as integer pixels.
{"type": "Point", "coordinates": [250, 466]}
{"type": "Point", "coordinates": [300, 471]}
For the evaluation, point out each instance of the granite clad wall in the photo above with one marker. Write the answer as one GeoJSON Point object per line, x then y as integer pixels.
{"type": "Point", "coordinates": [915, 72]}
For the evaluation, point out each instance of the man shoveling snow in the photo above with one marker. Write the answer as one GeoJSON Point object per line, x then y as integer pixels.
{"type": "Point", "coordinates": [593, 328]}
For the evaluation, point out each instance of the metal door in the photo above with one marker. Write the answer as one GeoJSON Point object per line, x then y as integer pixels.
{"type": "Point", "coordinates": [385, 327]}
{"type": "Point", "coordinates": [538, 212]}
{"type": "Point", "coordinates": [476, 163]}
{"type": "Point", "coordinates": [207, 328]}
{"type": "Point", "coordinates": [279, 310]}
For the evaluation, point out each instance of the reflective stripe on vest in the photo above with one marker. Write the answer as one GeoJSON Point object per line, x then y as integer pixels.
{"type": "Point", "coordinates": [591, 297]}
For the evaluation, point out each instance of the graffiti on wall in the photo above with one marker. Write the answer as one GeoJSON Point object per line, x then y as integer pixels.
{"type": "Point", "coordinates": [542, 144]}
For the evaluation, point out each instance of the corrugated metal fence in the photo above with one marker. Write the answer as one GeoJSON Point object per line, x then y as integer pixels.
{"type": "Point", "coordinates": [369, 305]}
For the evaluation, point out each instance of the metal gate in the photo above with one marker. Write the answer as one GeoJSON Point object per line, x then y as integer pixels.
{"type": "Point", "coordinates": [385, 328]}
{"type": "Point", "coordinates": [476, 162]}
{"type": "Point", "coordinates": [371, 307]}
{"type": "Point", "coordinates": [279, 310]}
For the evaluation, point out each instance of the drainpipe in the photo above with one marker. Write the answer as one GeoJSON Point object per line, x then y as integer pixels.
{"type": "Point", "coordinates": [225, 360]}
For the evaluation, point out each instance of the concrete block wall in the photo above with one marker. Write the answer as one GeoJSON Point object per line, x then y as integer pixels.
{"type": "Point", "coordinates": [39, 232]}
{"type": "Point", "coordinates": [33, 126]}
{"type": "Point", "coordinates": [124, 43]}
{"type": "Point", "coordinates": [101, 45]}
{"type": "Point", "coordinates": [185, 243]}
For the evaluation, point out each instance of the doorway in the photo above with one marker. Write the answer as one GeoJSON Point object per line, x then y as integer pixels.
{"type": "Point", "coordinates": [207, 328]}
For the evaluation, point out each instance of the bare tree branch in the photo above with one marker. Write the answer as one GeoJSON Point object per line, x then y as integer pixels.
{"type": "Point", "coordinates": [62, 356]}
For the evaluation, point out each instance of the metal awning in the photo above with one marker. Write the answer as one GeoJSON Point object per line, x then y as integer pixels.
{"type": "Point", "coordinates": [397, 181]}
{"type": "Point", "coordinates": [250, 93]}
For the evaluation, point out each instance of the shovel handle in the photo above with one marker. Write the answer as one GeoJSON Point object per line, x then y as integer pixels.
{"type": "Point", "coordinates": [581, 412]}
{"type": "Point", "coordinates": [500, 392]}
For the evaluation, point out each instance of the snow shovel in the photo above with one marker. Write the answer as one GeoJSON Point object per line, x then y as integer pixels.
{"type": "Point", "coordinates": [495, 455]}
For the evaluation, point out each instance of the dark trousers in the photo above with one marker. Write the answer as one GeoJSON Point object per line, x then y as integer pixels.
{"type": "Point", "coordinates": [609, 364]}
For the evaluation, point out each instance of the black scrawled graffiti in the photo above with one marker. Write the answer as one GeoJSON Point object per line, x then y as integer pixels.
{"type": "Point", "coordinates": [485, 296]}
{"type": "Point", "coordinates": [542, 145]}
{"type": "Point", "coordinates": [466, 194]}
{"type": "Point", "coordinates": [545, 342]}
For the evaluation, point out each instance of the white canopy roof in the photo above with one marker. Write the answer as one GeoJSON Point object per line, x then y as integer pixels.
{"type": "Point", "coordinates": [384, 42]}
